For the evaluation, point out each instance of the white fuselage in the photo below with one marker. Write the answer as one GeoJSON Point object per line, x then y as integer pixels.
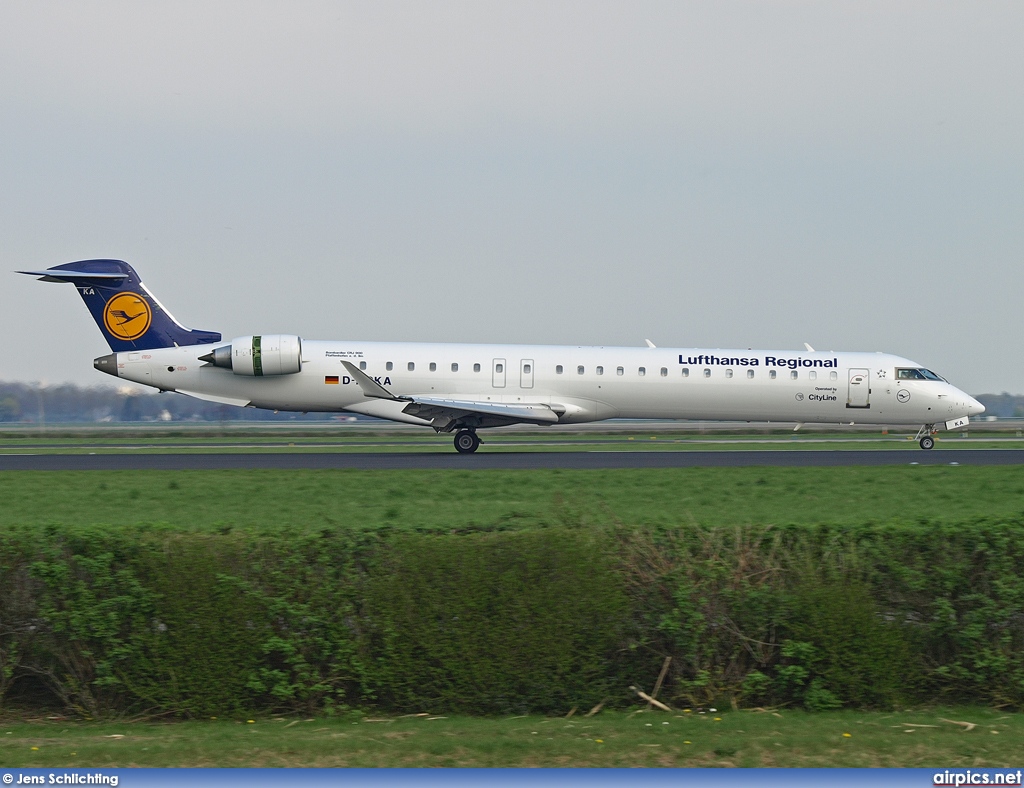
{"type": "Point", "coordinates": [580, 383]}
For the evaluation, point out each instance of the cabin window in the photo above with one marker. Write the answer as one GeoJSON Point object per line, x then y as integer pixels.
{"type": "Point", "coordinates": [499, 368]}
{"type": "Point", "coordinates": [600, 370]}
{"type": "Point", "coordinates": [476, 367]}
{"type": "Point", "coordinates": [833, 375]}
{"type": "Point", "coordinates": [642, 371]}
{"type": "Point", "coordinates": [389, 366]}
{"type": "Point", "coordinates": [707, 372]}
{"type": "Point", "coordinates": [794, 375]}
{"type": "Point", "coordinates": [558, 369]}
{"type": "Point", "coordinates": [619, 371]}
{"type": "Point", "coordinates": [812, 375]}
{"type": "Point", "coordinates": [412, 366]}
{"type": "Point", "coordinates": [664, 372]}
{"type": "Point", "coordinates": [686, 372]}
{"type": "Point", "coordinates": [362, 365]}
{"type": "Point", "coordinates": [728, 373]}
{"type": "Point", "coordinates": [772, 374]}
{"type": "Point", "coordinates": [455, 367]}
{"type": "Point", "coordinates": [433, 367]}
{"type": "Point", "coordinates": [579, 370]}
{"type": "Point", "coordinates": [527, 369]}
{"type": "Point", "coordinates": [750, 374]}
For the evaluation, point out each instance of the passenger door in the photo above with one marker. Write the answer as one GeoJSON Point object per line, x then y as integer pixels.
{"type": "Point", "coordinates": [859, 389]}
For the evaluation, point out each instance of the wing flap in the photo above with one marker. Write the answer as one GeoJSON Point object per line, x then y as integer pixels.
{"type": "Point", "coordinates": [431, 407]}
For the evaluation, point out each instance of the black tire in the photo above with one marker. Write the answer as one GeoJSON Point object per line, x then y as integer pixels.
{"type": "Point", "coordinates": [466, 442]}
{"type": "Point", "coordinates": [927, 442]}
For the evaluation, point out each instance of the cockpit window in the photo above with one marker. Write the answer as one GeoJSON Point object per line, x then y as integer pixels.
{"type": "Point", "coordinates": [916, 374]}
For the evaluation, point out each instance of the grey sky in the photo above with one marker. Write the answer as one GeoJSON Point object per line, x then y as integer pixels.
{"type": "Point", "coordinates": [723, 174]}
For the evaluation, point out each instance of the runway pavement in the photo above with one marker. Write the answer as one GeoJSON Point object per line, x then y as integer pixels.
{"type": "Point", "coordinates": [506, 460]}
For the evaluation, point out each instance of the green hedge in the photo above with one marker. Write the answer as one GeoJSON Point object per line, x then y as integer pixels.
{"type": "Point", "coordinates": [151, 620]}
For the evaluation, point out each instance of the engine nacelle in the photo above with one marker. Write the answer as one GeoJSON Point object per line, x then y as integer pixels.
{"type": "Point", "coordinates": [258, 356]}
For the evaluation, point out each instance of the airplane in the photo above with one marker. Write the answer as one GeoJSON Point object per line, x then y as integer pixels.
{"type": "Point", "coordinates": [461, 388]}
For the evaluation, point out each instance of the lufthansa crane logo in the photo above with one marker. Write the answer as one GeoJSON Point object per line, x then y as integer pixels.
{"type": "Point", "coordinates": [127, 316]}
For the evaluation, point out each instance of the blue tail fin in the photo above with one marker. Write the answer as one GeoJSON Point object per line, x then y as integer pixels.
{"type": "Point", "coordinates": [129, 316]}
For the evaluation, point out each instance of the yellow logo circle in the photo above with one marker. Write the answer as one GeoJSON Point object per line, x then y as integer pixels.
{"type": "Point", "coordinates": [127, 316]}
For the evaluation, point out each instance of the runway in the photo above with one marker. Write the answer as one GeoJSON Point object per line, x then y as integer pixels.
{"type": "Point", "coordinates": [573, 460]}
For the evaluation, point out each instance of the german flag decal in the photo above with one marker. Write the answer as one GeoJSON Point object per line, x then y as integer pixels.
{"type": "Point", "coordinates": [331, 379]}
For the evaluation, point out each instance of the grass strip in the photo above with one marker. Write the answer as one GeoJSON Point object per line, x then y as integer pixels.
{"type": "Point", "coordinates": [313, 500]}
{"type": "Point", "coordinates": [785, 738]}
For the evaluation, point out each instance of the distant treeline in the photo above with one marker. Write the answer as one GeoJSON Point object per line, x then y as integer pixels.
{"type": "Point", "coordinates": [1004, 406]}
{"type": "Point", "coordinates": [70, 404]}
{"type": "Point", "coordinates": [67, 403]}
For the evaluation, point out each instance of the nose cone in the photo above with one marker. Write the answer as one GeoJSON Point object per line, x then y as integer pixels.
{"type": "Point", "coordinates": [974, 408]}
{"type": "Point", "coordinates": [106, 364]}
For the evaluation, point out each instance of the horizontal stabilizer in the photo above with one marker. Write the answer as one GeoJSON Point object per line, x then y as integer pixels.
{"type": "Point", "coordinates": [54, 275]}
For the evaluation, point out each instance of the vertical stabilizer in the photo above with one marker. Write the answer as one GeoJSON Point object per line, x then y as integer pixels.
{"type": "Point", "coordinates": [129, 316]}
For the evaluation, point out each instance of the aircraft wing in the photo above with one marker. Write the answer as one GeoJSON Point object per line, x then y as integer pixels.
{"type": "Point", "coordinates": [241, 403]}
{"type": "Point", "coordinates": [429, 408]}
{"type": "Point", "coordinates": [443, 414]}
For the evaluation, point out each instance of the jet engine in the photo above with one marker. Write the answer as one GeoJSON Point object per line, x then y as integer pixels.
{"type": "Point", "coordinates": [271, 354]}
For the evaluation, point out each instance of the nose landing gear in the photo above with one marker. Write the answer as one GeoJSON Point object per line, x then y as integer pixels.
{"type": "Point", "coordinates": [926, 441]}
{"type": "Point", "coordinates": [466, 442]}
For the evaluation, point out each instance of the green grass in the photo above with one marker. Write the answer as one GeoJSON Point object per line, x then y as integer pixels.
{"type": "Point", "coordinates": [745, 738]}
{"type": "Point", "coordinates": [447, 500]}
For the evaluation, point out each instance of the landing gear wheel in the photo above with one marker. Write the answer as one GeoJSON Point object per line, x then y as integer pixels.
{"type": "Point", "coordinates": [927, 442]}
{"type": "Point", "coordinates": [466, 442]}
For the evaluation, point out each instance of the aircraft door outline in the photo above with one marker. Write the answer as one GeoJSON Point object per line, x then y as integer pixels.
{"type": "Point", "coordinates": [526, 373]}
{"type": "Point", "coordinates": [498, 373]}
{"type": "Point", "coordinates": [859, 389]}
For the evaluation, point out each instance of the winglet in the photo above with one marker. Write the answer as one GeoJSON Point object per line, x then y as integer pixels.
{"type": "Point", "coordinates": [370, 387]}
{"type": "Point", "coordinates": [649, 343]}
{"type": "Point", "coordinates": [809, 348]}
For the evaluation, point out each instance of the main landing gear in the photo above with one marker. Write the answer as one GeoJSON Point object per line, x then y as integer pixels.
{"type": "Point", "coordinates": [466, 442]}
{"type": "Point", "coordinates": [925, 435]}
